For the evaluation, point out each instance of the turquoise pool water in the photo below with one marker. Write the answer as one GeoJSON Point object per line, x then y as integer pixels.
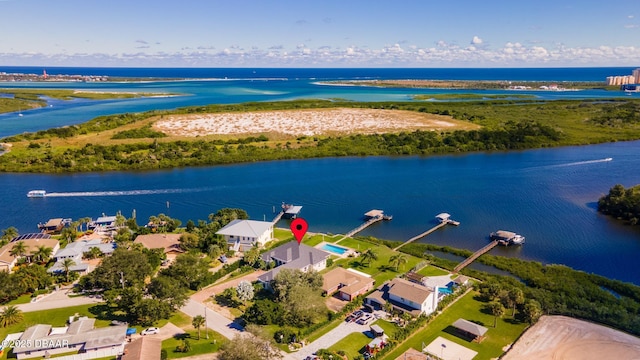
{"type": "Point", "coordinates": [445, 290]}
{"type": "Point", "coordinates": [334, 249]}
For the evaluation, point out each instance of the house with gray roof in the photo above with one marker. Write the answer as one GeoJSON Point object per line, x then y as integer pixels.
{"type": "Point", "coordinates": [75, 250]}
{"type": "Point", "coordinates": [293, 256]}
{"type": "Point", "coordinates": [242, 235]}
{"type": "Point", "coordinates": [43, 340]}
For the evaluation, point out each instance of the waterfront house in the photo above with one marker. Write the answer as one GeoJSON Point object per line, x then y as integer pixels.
{"type": "Point", "coordinates": [242, 235]}
{"type": "Point", "coordinates": [348, 283]}
{"type": "Point", "coordinates": [169, 243]}
{"type": "Point", "coordinates": [293, 256]}
{"type": "Point", "coordinates": [404, 296]}
{"type": "Point", "coordinates": [103, 224]}
{"type": "Point", "coordinates": [80, 336]}
{"type": "Point", "coordinates": [8, 261]}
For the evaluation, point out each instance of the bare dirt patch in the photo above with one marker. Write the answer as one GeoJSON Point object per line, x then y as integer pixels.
{"type": "Point", "coordinates": [306, 122]}
{"type": "Point", "coordinates": [561, 337]}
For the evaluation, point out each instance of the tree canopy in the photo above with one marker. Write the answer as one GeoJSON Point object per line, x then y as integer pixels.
{"type": "Point", "coordinates": [622, 203]}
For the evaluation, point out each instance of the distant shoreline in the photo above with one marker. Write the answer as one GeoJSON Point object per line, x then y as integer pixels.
{"type": "Point", "coordinates": [475, 84]}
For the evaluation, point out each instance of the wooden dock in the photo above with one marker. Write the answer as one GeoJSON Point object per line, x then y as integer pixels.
{"type": "Point", "coordinates": [475, 255]}
{"type": "Point", "coordinates": [420, 236]}
{"type": "Point", "coordinates": [363, 226]}
{"type": "Point", "coordinates": [278, 217]}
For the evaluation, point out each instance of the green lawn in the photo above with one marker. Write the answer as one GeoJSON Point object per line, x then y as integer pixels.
{"type": "Point", "coordinates": [352, 344]}
{"type": "Point", "coordinates": [431, 270]}
{"type": "Point", "coordinates": [318, 238]}
{"type": "Point", "coordinates": [389, 328]}
{"type": "Point", "coordinates": [506, 332]}
{"type": "Point", "coordinates": [23, 299]}
{"type": "Point", "coordinates": [380, 269]}
{"type": "Point", "coordinates": [282, 234]}
{"type": "Point", "coordinates": [198, 347]}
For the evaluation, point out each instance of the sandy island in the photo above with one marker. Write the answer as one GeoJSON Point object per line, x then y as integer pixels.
{"type": "Point", "coordinates": [565, 338]}
{"type": "Point", "coordinates": [335, 121]}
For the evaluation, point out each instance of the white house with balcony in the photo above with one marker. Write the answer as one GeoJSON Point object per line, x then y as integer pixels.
{"type": "Point", "coordinates": [242, 235]}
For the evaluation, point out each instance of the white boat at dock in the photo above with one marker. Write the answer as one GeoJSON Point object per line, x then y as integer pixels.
{"type": "Point", "coordinates": [507, 237]}
{"type": "Point", "coordinates": [36, 194]}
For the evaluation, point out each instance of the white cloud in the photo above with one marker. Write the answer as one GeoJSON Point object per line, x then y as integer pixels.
{"type": "Point", "coordinates": [441, 54]}
{"type": "Point", "coordinates": [476, 40]}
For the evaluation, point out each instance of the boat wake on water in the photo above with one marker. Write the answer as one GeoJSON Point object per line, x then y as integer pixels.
{"type": "Point", "coordinates": [584, 162]}
{"type": "Point", "coordinates": [123, 193]}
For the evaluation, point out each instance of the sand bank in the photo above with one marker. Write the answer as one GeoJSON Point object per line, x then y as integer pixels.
{"type": "Point", "coordinates": [306, 122]}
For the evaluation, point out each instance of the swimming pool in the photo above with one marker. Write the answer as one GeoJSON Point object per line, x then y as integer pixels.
{"type": "Point", "coordinates": [445, 290]}
{"type": "Point", "coordinates": [334, 249]}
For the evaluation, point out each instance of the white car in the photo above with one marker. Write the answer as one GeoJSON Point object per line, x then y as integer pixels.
{"type": "Point", "coordinates": [365, 319]}
{"type": "Point", "coordinates": [150, 331]}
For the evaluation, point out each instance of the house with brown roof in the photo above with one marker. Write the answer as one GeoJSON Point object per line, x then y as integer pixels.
{"type": "Point", "coordinates": [405, 296]}
{"type": "Point", "coordinates": [144, 348]}
{"type": "Point", "coordinates": [348, 283]}
{"type": "Point", "coordinates": [169, 243]}
{"type": "Point", "coordinates": [8, 261]}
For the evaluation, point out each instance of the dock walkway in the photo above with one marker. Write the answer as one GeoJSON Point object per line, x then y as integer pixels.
{"type": "Point", "coordinates": [420, 236]}
{"type": "Point", "coordinates": [278, 217]}
{"type": "Point", "coordinates": [475, 255]}
{"type": "Point", "coordinates": [363, 226]}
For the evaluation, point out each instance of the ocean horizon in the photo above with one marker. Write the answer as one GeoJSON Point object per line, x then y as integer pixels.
{"type": "Point", "coordinates": [454, 73]}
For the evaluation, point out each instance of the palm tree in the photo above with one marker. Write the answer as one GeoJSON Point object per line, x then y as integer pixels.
{"type": "Point", "coordinates": [368, 256]}
{"type": "Point", "coordinates": [197, 322]}
{"type": "Point", "coordinates": [42, 254]}
{"type": "Point", "coordinates": [67, 264]}
{"type": "Point", "coordinates": [19, 249]}
{"type": "Point", "coordinates": [10, 315]}
{"type": "Point", "coordinates": [9, 233]}
{"type": "Point", "coordinates": [517, 298]}
{"type": "Point", "coordinates": [497, 310]}
{"type": "Point", "coordinates": [398, 260]}
{"type": "Point", "coordinates": [85, 221]}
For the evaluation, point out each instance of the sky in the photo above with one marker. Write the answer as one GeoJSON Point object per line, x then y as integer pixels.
{"type": "Point", "coordinates": [320, 33]}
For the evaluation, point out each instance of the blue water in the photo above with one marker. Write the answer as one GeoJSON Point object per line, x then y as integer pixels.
{"type": "Point", "coordinates": [547, 195]}
{"type": "Point", "coordinates": [445, 290]}
{"type": "Point", "coordinates": [226, 86]}
{"type": "Point", "coordinates": [334, 249]}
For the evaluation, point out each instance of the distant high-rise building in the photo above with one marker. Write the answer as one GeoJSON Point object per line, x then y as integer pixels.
{"type": "Point", "coordinates": [634, 78]}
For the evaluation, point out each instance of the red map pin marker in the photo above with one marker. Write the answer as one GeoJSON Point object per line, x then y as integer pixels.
{"type": "Point", "coordinates": [299, 227]}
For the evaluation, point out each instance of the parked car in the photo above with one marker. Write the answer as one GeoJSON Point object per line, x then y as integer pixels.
{"type": "Point", "coordinates": [150, 331]}
{"type": "Point", "coordinates": [118, 323]}
{"type": "Point", "coordinates": [365, 319]}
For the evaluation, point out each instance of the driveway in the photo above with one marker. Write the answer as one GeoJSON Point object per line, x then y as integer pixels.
{"type": "Point", "coordinates": [58, 299]}
{"type": "Point", "coordinates": [215, 321]}
{"type": "Point", "coordinates": [330, 338]}
{"type": "Point", "coordinates": [204, 294]}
